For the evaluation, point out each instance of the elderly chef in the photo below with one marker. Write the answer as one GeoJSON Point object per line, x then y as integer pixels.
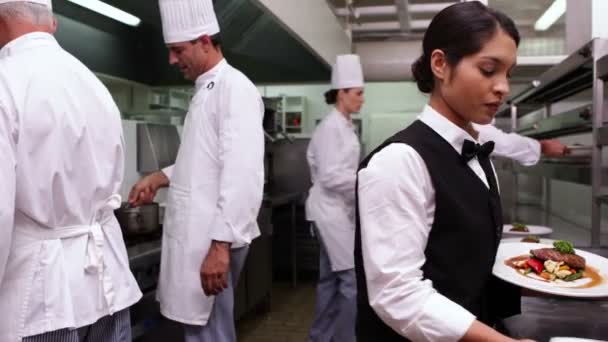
{"type": "Point", "coordinates": [333, 158]}
{"type": "Point", "coordinates": [216, 184]}
{"type": "Point", "coordinates": [64, 272]}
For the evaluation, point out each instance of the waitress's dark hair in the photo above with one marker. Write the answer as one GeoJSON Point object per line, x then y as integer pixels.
{"type": "Point", "coordinates": [459, 30]}
{"type": "Point", "coordinates": [331, 96]}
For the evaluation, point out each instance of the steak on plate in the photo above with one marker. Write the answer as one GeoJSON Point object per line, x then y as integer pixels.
{"type": "Point", "coordinates": [572, 260]}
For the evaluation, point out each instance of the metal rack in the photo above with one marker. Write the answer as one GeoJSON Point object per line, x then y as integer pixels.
{"type": "Point", "coordinates": [585, 69]}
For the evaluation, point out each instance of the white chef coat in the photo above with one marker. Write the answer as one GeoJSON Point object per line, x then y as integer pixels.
{"type": "Point", "coordinates": [61, 166]}
{"type": "Point", "coordinates": [333, 157]}
{"type": "Point", "coordinates": [397, 209]}
{"type": "Point", "coordinates": [523, 150]}
{"type": "Point", "coordinates": [216, 187]}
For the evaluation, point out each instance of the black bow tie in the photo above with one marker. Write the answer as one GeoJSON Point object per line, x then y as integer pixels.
{"type": "Point", "coordinates": [471, 150]}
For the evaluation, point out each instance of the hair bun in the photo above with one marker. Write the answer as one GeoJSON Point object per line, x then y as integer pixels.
{"type": "Point", "coordinates": [423, 75]}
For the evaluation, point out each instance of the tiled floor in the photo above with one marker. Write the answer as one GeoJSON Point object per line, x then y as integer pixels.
{"type": "Point", "coordinates": [289, 319]}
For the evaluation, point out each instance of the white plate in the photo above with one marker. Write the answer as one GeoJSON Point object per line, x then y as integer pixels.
{"type": "Point", "coordinates": [508, 250]}
{"type": "Point", "coordinates": [533, 230]}
{"type": "Point", "coordinates": [518, 239]}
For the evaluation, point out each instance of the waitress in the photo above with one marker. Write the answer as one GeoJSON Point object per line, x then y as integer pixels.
{"type": "Point", "coordinates": [333, 157]}
{"type": "Point", "coordinates": [430, 219]}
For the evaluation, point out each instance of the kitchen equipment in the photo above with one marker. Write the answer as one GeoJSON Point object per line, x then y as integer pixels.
{"type": "Point", "coordinates": [575, 154]}
{"type": "Point", "coordinates": [578, 150]}
{"type": "Point", "coordinates": [157, 146]}
{"type": "Point", "coordinates": [573, 121]}
{"type": "Point", "coordinates": [136, 221]}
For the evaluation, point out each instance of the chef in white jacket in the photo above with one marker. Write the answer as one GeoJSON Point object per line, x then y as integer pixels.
{"type": "Point", "coordinates": [64, 271]}
{"type": "Point", "coordinates": [216, 184]}
{"type": "Point", "coordinates": [333, 157]}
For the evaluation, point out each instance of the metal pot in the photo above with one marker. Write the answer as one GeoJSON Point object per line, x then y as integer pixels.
{"type": "Point", "coordinates": [141, 220]}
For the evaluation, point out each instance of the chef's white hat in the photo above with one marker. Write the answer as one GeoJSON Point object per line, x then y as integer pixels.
{"type": "Point", "coordinates": [47, 3]}
{"type": "Point", "coordinates": [347, 72]}
{"type": "Point", "coordinates": [186, 20]}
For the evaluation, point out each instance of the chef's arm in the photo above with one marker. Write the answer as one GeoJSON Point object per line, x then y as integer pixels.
{"type": "Point", "coordinates": [145, 190]}
{"type": "Point", "coordinates": [524, 150]}
{"type": "Point", "coordinates": [338, 178]}
{"type": "Point", "coordinates": [241, 159]}
{"type": "Point", "coordinates": [8, 182]}
{"type": "Point", "coordinates": [335, 172]}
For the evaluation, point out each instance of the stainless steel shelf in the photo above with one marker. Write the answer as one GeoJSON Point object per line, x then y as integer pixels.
{"type": "Point", "coordinates": [602, 136]}
{"type": "Point", "coordinates": [574, 173]}
{"type": "Point", "coordinates": [603, 199]}
{"type": "Point", "coordinates": [570, 77]}
{"type": "Point", "coordinates": [602, 68]}
{"type": "Point", "coordinates": [586, 68]}
{"type": "Point", "coordinates": [571, 69]}
{"type": "Point", "coordinates": [573, 121]}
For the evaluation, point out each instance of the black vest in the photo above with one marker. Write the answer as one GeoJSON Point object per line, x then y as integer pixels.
{"type": "Point", "coordinates": [462, 243]}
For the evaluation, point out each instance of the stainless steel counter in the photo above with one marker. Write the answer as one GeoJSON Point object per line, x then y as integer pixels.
{"type": "Point", "coordinates": [144, 260]}
{"type": "Point", "coordinates": [292, 199]}
{"type": "Point", "coordinates": [543, 318]}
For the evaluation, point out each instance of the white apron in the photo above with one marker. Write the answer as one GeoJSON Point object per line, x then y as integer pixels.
{"type": "Point", "coordinates": [46, 272]}
{"type": "Point", "coordinates": [191, 206]}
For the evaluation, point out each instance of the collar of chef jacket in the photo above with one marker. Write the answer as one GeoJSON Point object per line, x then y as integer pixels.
{"type": "Point", "coordinates": [27, 41]}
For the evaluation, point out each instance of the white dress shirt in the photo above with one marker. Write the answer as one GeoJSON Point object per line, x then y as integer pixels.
{"type": "Point", "coordinates": [397, 209]}
{"type": "Point", "coordinates": [523, 150]}
{"type": "Point", "coordinates": [63, 261]}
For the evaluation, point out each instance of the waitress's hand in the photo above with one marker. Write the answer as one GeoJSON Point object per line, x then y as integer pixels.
{"type": "Point", "coordinates": [145, 190]}
{"type": "Point", "coordinates": [215, 268]}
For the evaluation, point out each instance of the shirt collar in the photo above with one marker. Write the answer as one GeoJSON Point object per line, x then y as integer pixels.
{"type": "Point", "coordinates": [450, 132]}
{"type": "Point", "coordinates": [27, 41]}
{"type": "Point", "coordinates": [343, 118]}
{"type": "Point", "coordinates": [208, 76]}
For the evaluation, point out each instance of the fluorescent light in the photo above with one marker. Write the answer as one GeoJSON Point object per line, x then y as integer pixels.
{"type": "Point", "coordinates": [109, 11]}
{"type": "Point", "coordinates": [551, 15]}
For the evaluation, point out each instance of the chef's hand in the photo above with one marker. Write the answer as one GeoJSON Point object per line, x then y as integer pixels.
{"type": "Point", "coordinates": [215, 268]}
{"type": "Point", "coordinates": [552, 148]}
{"type": "Point", "coordinates": [145, 190]}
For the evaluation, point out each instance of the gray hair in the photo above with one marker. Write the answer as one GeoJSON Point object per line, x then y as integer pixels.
{"type": "Point", "coordinates": [33, 13]}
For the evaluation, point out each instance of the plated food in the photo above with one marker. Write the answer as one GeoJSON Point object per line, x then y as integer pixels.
{"type": "Point", "coordinates": [519, 227]}
{"type": "Point", "coordinates": [553, 267]}
{"type": "Point", "coordinates": [531, 239]}
{"type": "Point", "coordinates": [559, 263]}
